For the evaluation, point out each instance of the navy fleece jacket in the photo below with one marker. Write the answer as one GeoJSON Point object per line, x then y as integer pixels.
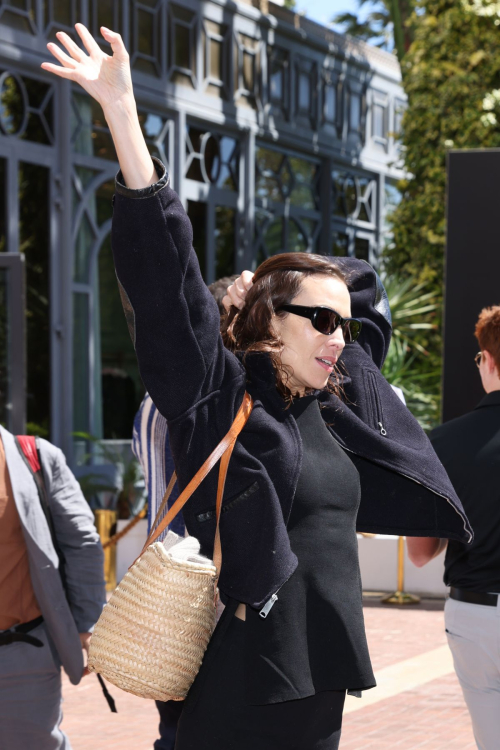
{"type": "Point", "coordinates": [198, 385]}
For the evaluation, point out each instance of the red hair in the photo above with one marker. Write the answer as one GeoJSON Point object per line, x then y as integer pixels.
{"type": "Point", "coordinates": [488, 332]}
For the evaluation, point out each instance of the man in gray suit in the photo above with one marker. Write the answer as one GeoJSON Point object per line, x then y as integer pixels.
{"type": "Point", "coordinates": [43, 624]}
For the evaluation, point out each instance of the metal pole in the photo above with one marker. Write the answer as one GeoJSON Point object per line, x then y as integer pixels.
{"type": "Point", "coordinates": [400, 596]}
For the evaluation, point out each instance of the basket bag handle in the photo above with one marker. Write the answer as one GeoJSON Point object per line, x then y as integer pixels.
{"type": "Point", "coordinates": [222, 452]}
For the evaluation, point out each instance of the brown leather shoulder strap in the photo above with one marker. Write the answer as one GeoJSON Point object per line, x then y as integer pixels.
{"type": "Point", "coordinates": [226, 445]}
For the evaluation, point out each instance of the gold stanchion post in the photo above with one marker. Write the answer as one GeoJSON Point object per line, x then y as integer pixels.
{"type": "Point", "coordinates": [105, 521]}
{"type": "Point", "coordinates": [400, 596]}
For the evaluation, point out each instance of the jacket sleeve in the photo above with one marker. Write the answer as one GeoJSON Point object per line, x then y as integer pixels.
{"type": "Point", "coordinates": [173, 319]}
{"type": "Point", "coordinates": [77, 538]}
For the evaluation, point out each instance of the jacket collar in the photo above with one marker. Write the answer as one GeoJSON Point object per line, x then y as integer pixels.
{"type": "Point", "coordinates": [262, 380]}
{"type": "Point", "coordinates": [491, 399]}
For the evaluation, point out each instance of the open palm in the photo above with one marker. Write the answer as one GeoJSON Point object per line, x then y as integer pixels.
{"type": "Point", "coordinates": [106, 78]}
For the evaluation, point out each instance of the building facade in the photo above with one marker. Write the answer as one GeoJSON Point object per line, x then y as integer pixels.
{"type": "Point", "coordinates": [279, 135]}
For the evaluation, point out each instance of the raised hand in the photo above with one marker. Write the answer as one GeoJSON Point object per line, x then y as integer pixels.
{"type": "Point", "coordinates": [106, 78]}
{"type": "Point", "coordinates": [237, 292]}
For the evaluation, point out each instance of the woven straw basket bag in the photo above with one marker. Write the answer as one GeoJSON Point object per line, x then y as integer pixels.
{"type": "Point", "coordinates": [151, 636]}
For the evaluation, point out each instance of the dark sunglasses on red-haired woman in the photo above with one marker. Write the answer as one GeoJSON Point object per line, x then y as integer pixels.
{"type": "Point", "coordinates": [326, 321]}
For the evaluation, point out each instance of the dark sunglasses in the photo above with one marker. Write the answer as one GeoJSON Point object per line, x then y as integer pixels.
{"type": "Point", "coordinates": [326, 321]}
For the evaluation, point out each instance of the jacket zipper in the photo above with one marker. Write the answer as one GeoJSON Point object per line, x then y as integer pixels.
{"type": "Point", "coordinates": [377, 404]}
{"type": "Point", "coordinates": [438, 494]}
{"type": "Point", "coordinates": [268, 606]}
{"type": "Point", "coordinates": [272, 600]}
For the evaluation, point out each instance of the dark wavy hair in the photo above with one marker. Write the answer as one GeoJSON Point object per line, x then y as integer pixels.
{"type": "Point", "coordinates": [276, 282]}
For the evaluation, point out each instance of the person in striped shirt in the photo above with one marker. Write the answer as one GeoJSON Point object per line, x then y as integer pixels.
{"type": "Point", "coordinates": [151, 447]}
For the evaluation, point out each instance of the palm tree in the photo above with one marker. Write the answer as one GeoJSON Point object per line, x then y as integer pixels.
{"type": "Point", "coordinates": [413, 311]}
{"type": "Point", "coordinates": [385, 25]}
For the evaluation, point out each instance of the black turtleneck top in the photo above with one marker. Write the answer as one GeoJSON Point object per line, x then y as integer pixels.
{"type": "Point", "coordinates": [313, 638]}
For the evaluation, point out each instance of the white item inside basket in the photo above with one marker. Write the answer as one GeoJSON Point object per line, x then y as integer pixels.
{"type": "Point", "coordinates": [184, 548]}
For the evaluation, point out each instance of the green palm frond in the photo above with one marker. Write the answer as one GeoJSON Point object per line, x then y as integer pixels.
{"type": "Point", "coordinates": [420, 389]}
{"type": "Point", "coordinates": [414, 310]}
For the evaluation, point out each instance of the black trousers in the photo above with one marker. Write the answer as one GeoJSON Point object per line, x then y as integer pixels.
{"type": "Point", "coordinates": [169, 716]}
{"type": "Point", "coordinates": [216, 716]}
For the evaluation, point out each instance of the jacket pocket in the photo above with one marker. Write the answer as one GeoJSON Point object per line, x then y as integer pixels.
{"type": "Point", "coordinates": [374, 402]}
{"type": "Point", "coordinates": [207, 515]}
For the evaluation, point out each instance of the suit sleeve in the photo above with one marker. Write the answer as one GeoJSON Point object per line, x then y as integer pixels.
{"type": "Point", "coordinates": [77, 538]}
{"type": "Point", "coordinates": [173, 319]}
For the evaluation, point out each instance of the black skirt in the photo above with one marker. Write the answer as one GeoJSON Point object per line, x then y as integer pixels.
{"type": "Point", "coordinates": [217, 716]}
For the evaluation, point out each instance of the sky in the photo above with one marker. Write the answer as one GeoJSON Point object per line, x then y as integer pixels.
{"type": "Point", "coordinates": [323, 10]}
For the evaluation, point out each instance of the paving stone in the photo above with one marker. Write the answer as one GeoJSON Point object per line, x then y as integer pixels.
{"type": "Point", "coordinates": [431, 716]}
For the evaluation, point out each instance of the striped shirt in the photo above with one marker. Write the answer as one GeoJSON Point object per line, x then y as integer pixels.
{"type": "Point", "coordinates": [151, 447]}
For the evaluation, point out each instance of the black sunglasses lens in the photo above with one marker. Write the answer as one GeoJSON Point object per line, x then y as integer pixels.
{"type": "Point", "coordinates": [352, 329]}
{"type": "Point", "coordinates": [326, 321]}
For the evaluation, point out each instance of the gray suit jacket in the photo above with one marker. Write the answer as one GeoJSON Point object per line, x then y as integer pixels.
{"type": "Point", "coordinates": [65, 615]}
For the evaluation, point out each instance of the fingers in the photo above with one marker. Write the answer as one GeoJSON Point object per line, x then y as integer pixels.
{"type": "Point", "coordinates": [246, 279]}
{"type": "Point", "coordinates": [88, 40]}
{"type": "Point", "coordinates": [115, 41]}
{"type": "Point", "coordinates": [58, 71]}
{"type": "Point", "coordinates": [73, 49]}
{"type": "Point", "coordinates": [63, 58]}
{"type": "Point", "coordinates": [237, 292]}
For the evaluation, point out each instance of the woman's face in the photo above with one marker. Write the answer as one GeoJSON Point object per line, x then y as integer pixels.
{"type": "Point", "coordinates": [308, 355]}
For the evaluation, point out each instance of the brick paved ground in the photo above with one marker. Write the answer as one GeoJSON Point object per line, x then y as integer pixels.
{"type": "Point", "coordinates": [431, 716]}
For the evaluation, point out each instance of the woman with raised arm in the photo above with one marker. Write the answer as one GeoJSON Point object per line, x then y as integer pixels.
{"type": "Point", "coordinates": [320, 453]}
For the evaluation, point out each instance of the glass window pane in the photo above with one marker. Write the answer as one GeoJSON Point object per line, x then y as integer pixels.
{"type": "Point", "coordinates": [354, 111]}
{"type": "Point", "coordinates": [212, 160]}
{"type": "Point", "coordinates": [304, 91]}
{"type": "Point", "coordinates": [338, 192]}
{"type": "Point", "coordinates": [15, 21]}
{"type": "Point", "coordinates": [340, 244]}
{"type": "Point", "coordinates": [145, 33]}
{"type": "Point", "coordinates": [182, 55]}
{"type": "Point", "coordinates": [378, 115]}
{"type": "Point", "coordinates": [103, 199]}
{"type": "Point", "coordinates": [12, 105]}
{"type": "Point", "coordinates": [268, 165]}
{"type": "Point", "coordinates": [330, 103]}
{"type": "Point", "coordinates": [273, 237]}
{"type": "Point", "coordinates": [90, 134]}
{"type": "Point", "coordinates": [122, 389]}
{"type": "Point", "coordinates": [350, 196]}
{"type": "Point", "coordinates": [103, 13]}
{"type": "Point", "coordinates": [34, 190]}
{"type": "Point", "coordinates": [216, 60]}
{"type": "Point", "coordinates": [248, 71]}
{"type": "Point", "coordinates": [230, 158]}
{"type": "Point", "coordinates": [225, 241]}
{"type": "Point", "coordinates": [297, 243]}
{"type": "Point", "coordinates": [183, 14]}
{"type": "Point", "coordinates": [83, 248]}
{"type": "Point", "coordinates": [362, 248]}
{"type": "Point", "coordinates": [61, 12]}
{"type": "Point", "coordinates": [81, 373]}
{"type": "Point", "coordinates": [276, 82]}
{"type": "Point", "coordinates": [304, 173]}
